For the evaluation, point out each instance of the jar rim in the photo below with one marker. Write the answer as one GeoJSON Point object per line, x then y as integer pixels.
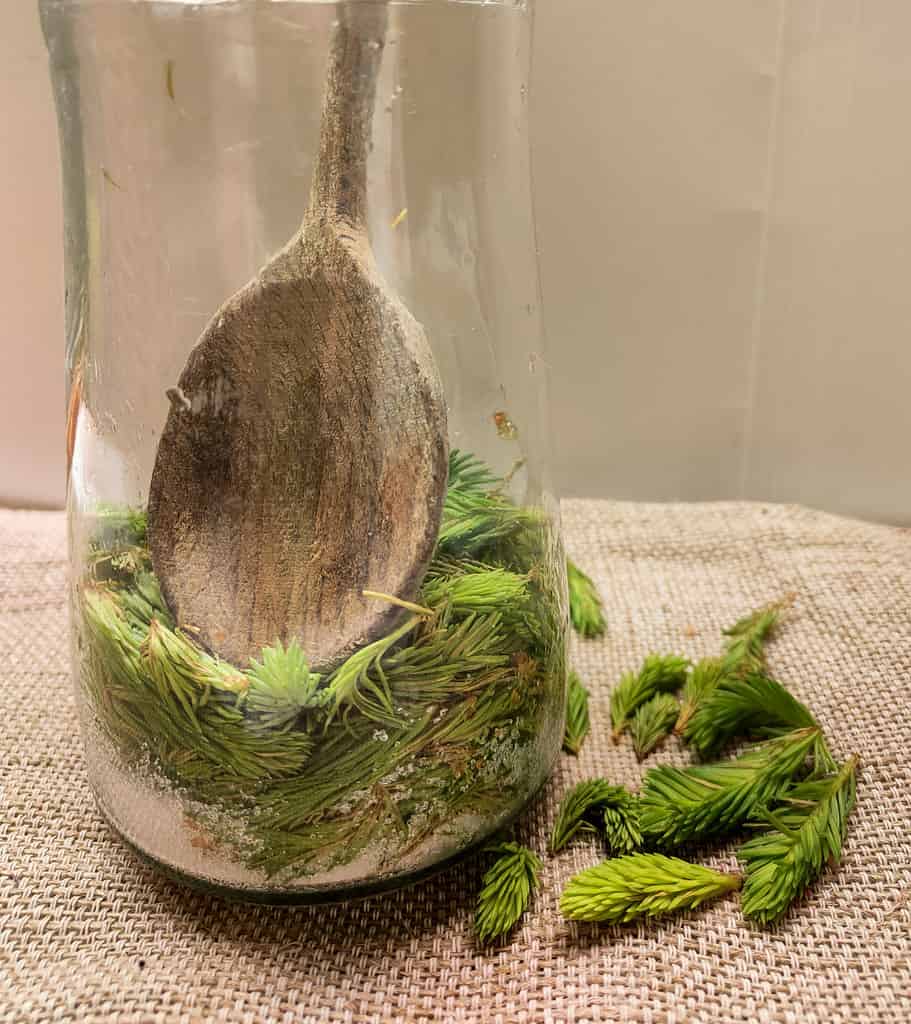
{"type": "Point", "coordinates": [50, 4]}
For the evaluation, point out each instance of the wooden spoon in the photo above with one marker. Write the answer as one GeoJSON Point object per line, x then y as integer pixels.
{"type": "Point", "coordinates": [304, 458]}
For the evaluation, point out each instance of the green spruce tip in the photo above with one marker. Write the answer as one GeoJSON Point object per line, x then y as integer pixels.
{"type": "Point", "coordinates": [582, 811]}
{"type": "Point", "coordinates": [807, 833]}
{"type": "Point", "coordinates": [396, 743]}
{"type": "Point", "coordinates": [507, 889]}
{"type": "Point", "coordinates": [659, 674]}
{"type": "Point", "coordinates": [744, 655]}
{"type": "Point", "coordinates": [641, 885]}
{"type": "Point", "coordinates": [621, 823]}
{"type": "Point", "coordinates": [701, 681]}
{"type": "Point", "coordinates": [744, 705]}
{"type": "Point", "coordinates": [585, 606]}
{"type": "Point", "coordinates": [477, 517]}
{"type": "Point", "coordinates": [705, 801]}
{"type": "Point", "coordinates": [746, 639]}
{"type": "Point", "coordinates": [652, 723]}
{"type": "Point", "coordinates": [281, 688]}
{"type": "Point", "coordinates": [578, 724]}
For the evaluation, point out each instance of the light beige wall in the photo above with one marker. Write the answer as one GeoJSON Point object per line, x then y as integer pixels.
{"type": "Point", "coordinates": [725, 224]}
{"type": "Point", "coordinates": [31, 275]}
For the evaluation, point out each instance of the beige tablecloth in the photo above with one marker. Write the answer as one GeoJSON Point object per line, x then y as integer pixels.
{"type": "Point", "coordinates": [89, 934]}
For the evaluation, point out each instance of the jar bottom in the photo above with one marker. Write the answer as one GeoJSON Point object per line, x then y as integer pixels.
{"type": "Point", "coordinates": [302, 896]}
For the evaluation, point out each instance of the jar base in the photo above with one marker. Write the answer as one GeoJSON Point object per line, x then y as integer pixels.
{"type": "Point", "coordinates": [302, 896]}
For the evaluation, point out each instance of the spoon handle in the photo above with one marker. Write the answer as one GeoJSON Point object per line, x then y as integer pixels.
{"type": "Point", "coordinates": [339, 189]}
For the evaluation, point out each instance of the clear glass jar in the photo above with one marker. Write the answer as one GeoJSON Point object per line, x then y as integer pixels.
{"type": "Point", "coordinates": [194, 142]}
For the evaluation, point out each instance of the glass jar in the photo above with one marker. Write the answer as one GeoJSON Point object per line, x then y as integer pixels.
{"type": "Point", "coordinates": [241, 732]}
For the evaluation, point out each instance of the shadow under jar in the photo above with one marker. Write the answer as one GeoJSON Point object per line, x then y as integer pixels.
{"type": "Point", "coordinates": [318, 589]}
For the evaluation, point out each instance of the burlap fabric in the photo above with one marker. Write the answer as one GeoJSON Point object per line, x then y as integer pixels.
{"type": "Point", "coordinates": [89, 934]}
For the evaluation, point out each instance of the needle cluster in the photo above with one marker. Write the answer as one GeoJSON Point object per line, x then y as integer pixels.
{"type": "Point", "coordinates": [578, 724]}
{"type": "Point", "coordinates": [652, 722]}
{"type": "Point", "coordinates": [658, 674]}
{"type": "Point", "coordinates": [507, 889]}
{"type": "Point", "coordinates": [808, 823]}
{"type": "Point", "coordinates": [583, 811]}
{"type": "Point", "coordinates": [705, 801]}
{"type": "Point", "coordinates": [585, 607]}
{"type": "Point", "coordinates": [746, 639]}
{"type": "Point", "coordinates": [641, 885]}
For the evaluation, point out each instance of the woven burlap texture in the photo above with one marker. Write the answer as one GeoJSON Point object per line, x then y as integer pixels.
{"type": "Point", "coordinates": [89, 934]}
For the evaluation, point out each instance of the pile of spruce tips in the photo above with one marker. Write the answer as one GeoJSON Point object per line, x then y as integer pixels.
{"type": "Point", "coordinates": [415, 739]}
{"type": "Point", "coordinates": [787, 791]}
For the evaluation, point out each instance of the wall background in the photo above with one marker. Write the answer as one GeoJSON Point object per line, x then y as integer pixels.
{"type": "Point", "coordinates": [32, 462]}
{"type": "Point", "coordinates": [724, 214]}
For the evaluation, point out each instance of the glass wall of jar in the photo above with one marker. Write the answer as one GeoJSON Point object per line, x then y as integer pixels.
{"type": "Point", "coordinates": [318, 602]}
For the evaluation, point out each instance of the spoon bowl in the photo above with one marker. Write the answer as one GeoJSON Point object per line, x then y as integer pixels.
{"type": "Point", "coordinates": [304, 458]}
